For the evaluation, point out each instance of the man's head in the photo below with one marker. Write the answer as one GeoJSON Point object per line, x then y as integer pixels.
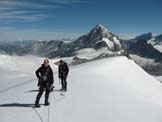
{"type": "Point", "coordinates": [46, 62]}
{"type": "Point", "coordinates": [61, 62]}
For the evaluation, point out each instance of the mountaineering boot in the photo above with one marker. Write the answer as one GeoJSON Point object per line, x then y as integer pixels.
{"type": "Point", "coordinates": [37, 105]}
{"type": "Point", "coordinates": [46, 103]}
{"type": "Point", "coordinates": [64, 90]}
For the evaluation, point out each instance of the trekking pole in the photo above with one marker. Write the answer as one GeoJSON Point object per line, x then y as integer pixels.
{"type": "Point", "coordinates": [49, 109]}
{"type": "Point", "coordinates": [38, 114]}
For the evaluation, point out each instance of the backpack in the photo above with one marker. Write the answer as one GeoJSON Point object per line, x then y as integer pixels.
{"type": "Point", "coordinates": [64, 68]}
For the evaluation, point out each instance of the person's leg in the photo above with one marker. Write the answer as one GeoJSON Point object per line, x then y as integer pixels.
{"type": "Point", "coordinates": [65, 85]}
{"type": "Point", "coordinates": [47, 94]}
{"type": "Point", "coordinates": [41, 90]}
{"type": "Point", "coordinates": [62, 83]}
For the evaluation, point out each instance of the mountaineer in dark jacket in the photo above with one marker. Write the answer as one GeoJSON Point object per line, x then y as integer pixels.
{"type": "Point", "coordinates": [63, 73]}
{"type": "Point", "coordinates": [45, 81]}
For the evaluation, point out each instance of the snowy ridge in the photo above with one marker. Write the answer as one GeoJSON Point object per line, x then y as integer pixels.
{"type": "Point", "coordinates": [98, 91]}
{"type": "Point", "coordinates": [159, 47]}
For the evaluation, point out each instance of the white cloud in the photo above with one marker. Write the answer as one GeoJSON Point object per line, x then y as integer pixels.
{"type": "Point", "coordinates": [15, 3]}
{"type": "Point", "coordinates": [13, 10]}
{"type": "Point", "coordinates": [128, 35]}
{"type": "Point", "coordinates": [31, 11]}
{"type": "Point", "coordinates": [21, 15]}
{"type": "Point", "coordinates": [5, 8]}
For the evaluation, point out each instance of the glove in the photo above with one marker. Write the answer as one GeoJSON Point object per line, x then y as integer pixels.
{"type": "Point", "coordinates": [52, 87]}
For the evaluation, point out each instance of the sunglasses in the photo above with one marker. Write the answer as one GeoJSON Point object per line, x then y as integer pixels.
{"type": "Point", "coordinates": [46, 62]}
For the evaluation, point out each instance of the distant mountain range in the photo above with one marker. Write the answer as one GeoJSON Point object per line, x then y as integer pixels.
{"type": "Point", "coordinates": [148, 48]}
{"type": "Point", "coordinates": [98, 38]}
{"type": "Point", "coordinates": [145, 49]}
{"type": "Point", "coordinates": [145, 46]}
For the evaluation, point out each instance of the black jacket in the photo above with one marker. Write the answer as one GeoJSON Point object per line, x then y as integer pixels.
{"type": "Point", "coordinates": [63, 70]}
{"type": "Point", "coordinates": [42, 70]}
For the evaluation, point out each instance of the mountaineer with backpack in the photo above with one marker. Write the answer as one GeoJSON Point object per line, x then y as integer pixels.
{"type": "Point", "coordinates": [45, 82]}
{"type": "Point", "coordinates": [63, 71]}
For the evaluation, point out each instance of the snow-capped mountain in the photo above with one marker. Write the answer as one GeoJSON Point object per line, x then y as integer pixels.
{"type": "Point", "coordinates": [147, 36]}
{"type": "Point", "coordinates": [154, 40]}
{"type": "Point", "coordinates": [144, 48]}
{"type": "Point", "coordinates": [20, 47]}
{"type": "Point", "coordinates": [99, 38]}
{"type": "Point", "coordinates": [145, 41]}
{"type": "Point", "coordinates": [158, 38]}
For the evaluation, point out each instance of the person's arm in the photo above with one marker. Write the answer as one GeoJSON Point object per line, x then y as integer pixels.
{"type": "Point", "coordinates": [38, 73]}
{"type": "Point", "coordinates": [38, 76]}
{"type": "Point", "coordinates": [59, 72]}
{"type": "Point", "coordinates": [52, 78]}
{"type": "Point", "coordinates": [67, 69]}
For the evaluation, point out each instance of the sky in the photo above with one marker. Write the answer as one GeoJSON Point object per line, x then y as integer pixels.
{"type": "Point", "coordinates": [62, 19]}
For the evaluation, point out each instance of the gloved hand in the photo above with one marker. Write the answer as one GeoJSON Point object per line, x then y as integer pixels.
{"type": "Point", "coordinates": [52, 87]}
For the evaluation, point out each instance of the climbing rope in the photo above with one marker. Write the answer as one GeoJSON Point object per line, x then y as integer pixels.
{"type": "Point", "coordinates": [54, 97]}
{"type": "Point", "coordinates": [49, 108]}
{"type": "Point", "coordinates": [58, 100]}
{"type": "Point", "coordinates": [40, 117]}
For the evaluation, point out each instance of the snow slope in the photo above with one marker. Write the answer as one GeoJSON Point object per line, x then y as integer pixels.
{"type": "Point", "coordinates": [109, 43]}
{"type": "Point", "coordinates": [90, 53]}
{"type": "Point", "coordinates": [159, 78]}
{"type": "Point", "coordinates": [106, 90]}
{"type": "Point", "coordinates": [158, 47]}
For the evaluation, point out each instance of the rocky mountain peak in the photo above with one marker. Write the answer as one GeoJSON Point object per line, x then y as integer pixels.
{"type": "Point", "coordinates": [101, 31]}
{"type": "Point", "coordinates": [159, 37]}
{"type": "Point", "coordinates": [146, 36]}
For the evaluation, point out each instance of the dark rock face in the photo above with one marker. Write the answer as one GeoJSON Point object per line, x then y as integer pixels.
{"type": "Point", "coordinates": [158, 38]}
{"type": "Point", "coordinates": [154, 69]}
{"type": "Point", "coordinates": [77, 60]}
{"type": "Point", "coordinates": [142, 48]}
{"type": "Point", "coordinates": [146, 36]}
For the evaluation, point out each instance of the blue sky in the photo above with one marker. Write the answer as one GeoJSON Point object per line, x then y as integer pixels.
{"type": "Point", "coordinates": [56, 19]}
